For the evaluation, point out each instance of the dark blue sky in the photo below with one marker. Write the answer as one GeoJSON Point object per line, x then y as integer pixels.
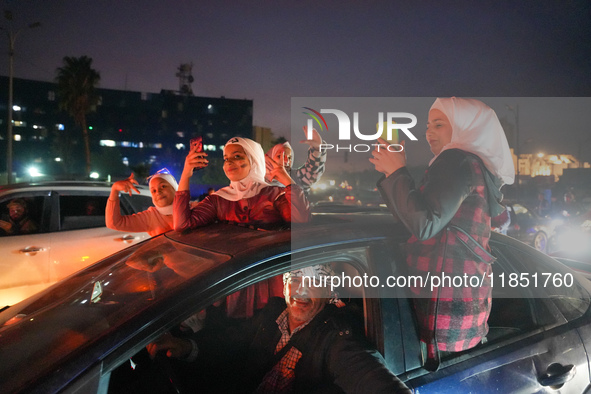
{"type": "Point", "coordinates": [270, 51]}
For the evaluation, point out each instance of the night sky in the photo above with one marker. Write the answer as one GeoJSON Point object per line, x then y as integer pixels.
{"type": "Point", "coordinates": [270, 51]}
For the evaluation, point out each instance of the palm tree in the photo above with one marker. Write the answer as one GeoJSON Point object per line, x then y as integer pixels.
{"type": "Point", "coordinates": [76, 84]}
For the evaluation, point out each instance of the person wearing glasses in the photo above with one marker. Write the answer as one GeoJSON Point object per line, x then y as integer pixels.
{"type": "Point", "coordinates": [154, 220]}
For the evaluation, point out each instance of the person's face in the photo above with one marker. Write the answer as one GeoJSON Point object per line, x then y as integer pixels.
{"type": "Point", "coordinates": [287, 156]}
{"type": "Point", "coordinates": [16, 212]}
{"type": "Point", "coordinates": [303, 303]}
{"type": "Point", "coordinates": [236, 164]}
{"type": "Point", "coordinates": [162, 192]}
{"type": "Point", "coordinates": [439, 131]}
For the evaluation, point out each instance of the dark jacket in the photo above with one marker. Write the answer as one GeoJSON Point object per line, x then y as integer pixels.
{"type": "Point", "coordinates": [449, 215]}
{"type": "Point", "coordinates": [334, 359]}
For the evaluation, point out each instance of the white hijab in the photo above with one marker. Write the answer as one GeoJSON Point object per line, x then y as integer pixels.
{"type": "Point", "coordinates": [476, 129]}
{"type": "Point", "coordinates": [167, 210]}
{"type": "Point", "coordinates": [252, 184]}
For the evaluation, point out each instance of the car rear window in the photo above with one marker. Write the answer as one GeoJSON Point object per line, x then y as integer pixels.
{"type": "Point", "coordinates": [80, 212]}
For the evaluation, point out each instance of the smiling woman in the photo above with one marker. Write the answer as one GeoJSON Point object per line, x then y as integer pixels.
{"type": "Point", "coordinates": [155, 220]}
{"type": "Point", "coordinates": [248, 199]}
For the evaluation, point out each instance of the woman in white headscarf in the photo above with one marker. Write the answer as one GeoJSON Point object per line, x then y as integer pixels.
{"type": "Point", "coordinates": [154, 220]}
{"type": "Point", "coordinates": [449, 215]}
{"type": "Point", "coordinates": [248, 199]}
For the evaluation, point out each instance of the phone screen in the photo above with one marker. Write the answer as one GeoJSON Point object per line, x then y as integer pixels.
{"type": "Point", "coordinates": [197, 144]}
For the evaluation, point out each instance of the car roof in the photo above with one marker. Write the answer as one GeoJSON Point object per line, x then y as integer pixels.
{"type": "Point", "coordinates": [62, 185]}
{"type": "Point", "coordinates": [325, 228]}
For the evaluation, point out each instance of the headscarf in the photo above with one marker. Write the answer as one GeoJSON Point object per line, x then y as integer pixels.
{"type": "Point", "coordinates": [254, 182]}
{"type": "Point", "coordinates": [476, 129]}
{"type": "Point", "coordinates": [167, 176]}
{"type": "Point", "coordinates": [275, 149]}
{"type": "Point", "coordinates": [319, 271]}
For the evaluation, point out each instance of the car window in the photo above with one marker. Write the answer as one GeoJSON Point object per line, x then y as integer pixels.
{"type": "Point", "coordinates": [82, 211]}
{"type": "Point", "coordinates": [550, 280]}
{"type": "Point", "coordinates": [226, 332]}
{"type": "Point", "coordinates": [34, 216]}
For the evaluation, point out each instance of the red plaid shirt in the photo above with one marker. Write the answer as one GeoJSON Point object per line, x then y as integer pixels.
{"type": "Point", "coordinates": [280, 378]}
{"type": "Point", "coordinates": [449, 217]}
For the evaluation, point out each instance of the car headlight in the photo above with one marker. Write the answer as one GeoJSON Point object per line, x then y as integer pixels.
{"type": "Point", "coordinates": [573, 241]}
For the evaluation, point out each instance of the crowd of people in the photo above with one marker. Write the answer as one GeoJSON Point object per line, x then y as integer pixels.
{"type": "Point", "coordinates": [450, 214]}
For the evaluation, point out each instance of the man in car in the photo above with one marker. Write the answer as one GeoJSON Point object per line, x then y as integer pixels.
{"type": "Point", "coordinates": [18, 221]}
{"type": "Point", "coordinates": [300, 344]}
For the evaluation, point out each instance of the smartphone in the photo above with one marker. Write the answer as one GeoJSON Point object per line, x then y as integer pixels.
{"type": "Point", "coordinates": [384, 135]}
{"type": "Point", "coordinates": [197, 144]}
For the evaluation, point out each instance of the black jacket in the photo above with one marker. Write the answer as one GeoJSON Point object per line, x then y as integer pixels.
{"type": "Point", "coordinates": [335, 359]}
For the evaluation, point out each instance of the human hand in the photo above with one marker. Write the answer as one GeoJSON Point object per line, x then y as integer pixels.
{"type": "Point", "coordinates": [386, 161]}
{"type": "Point", "coordinates": [195, 161]}
{"type": "Point", "coordinates": [173, 346]}
{"type": "Point", "coordinates": [6, 226]}
{"type": "Point", "coordinates": [316, 140]}
{"type": "Point", "coordinates": [277, 171]}
{"type": "Point", "coordinates": [126, 185]}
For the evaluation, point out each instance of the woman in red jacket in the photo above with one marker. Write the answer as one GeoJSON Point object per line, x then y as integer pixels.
{"type": "Point", "coordinates": [248, 199]}
{"type": "Point", "coordinates": [449, 215]}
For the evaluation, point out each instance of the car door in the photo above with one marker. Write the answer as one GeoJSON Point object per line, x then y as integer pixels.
{"type": "Point", "coordinates": [80, 237]}
{"type": "Point", "coordinates": [24, 265]}
{"type": "Point", "coordinates": [532, 345]}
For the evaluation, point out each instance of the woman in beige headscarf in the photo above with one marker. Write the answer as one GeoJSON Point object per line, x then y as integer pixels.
{"type": "Point", "coordinates": [449, 215]}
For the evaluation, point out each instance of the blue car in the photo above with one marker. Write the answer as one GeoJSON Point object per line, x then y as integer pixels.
{"type": "Point", "coordinates": [82, 334]}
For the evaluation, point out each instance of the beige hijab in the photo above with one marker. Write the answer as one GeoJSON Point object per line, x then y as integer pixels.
{"type": "Point", "coordinates": [476, 129]}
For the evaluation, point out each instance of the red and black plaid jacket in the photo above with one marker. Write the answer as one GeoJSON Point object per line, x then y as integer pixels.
{"type": "Point", "coordinates": [449, 217]}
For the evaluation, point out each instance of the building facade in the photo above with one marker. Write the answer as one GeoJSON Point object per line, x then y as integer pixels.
{"type": "Point", "coordinates": [126, 129]}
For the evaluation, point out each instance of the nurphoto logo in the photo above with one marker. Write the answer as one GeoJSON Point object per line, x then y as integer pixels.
{"type": "Point", "coordinates": [388, 129]}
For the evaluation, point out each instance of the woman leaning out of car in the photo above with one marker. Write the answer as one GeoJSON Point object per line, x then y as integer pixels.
{"type": "Point", "coordinates": [247, 200]}
{"type": "Point", "coordinates": [154, 220]}
{"type": "Point", "coordinates": [449, 215]}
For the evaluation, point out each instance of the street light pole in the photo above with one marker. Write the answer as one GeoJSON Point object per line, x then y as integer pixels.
{"type": "Point", "coordinates": [9, 137]}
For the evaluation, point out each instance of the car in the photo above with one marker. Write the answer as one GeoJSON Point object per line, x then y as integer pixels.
{"type": "Point", "coordinates": [529, 227]}
{"type": "Point", "coordinates": [71, 234]}
{"type": "Point", "coordinates": [83, 333]}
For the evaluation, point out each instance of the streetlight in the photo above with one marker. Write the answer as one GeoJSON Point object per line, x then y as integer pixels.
{"type": "Point", "coordinates": [11, 38]}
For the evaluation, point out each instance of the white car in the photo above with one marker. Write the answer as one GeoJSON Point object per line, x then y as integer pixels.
{"type": "Point", "coordinates": [71, 233]}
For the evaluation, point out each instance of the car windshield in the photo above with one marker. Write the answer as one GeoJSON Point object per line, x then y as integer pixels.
{"type": "Point", "coordinates": [98, 300]}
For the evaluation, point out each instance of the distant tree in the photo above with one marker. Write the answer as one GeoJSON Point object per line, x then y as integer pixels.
{"type": "Point", "coordinates": [76, 88]}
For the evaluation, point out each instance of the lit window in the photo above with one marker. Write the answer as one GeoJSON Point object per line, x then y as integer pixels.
{"type": "Point", "coordinates": [51, 95]}
{"type": "Point", "coordinates": [180, 146]}
{"type": "Point", "coordinates": [17, 137]}
{"type": "Point", "coordinates": [60, 126]}
{"type": "Point", "coordinates": [20, 123]}
{"type": "Point", "coordinates": [109, 143]}
{"type": "Point", "coordinates": [125, 161]}
{"type": "Point", "coordinates": [16, 108]}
